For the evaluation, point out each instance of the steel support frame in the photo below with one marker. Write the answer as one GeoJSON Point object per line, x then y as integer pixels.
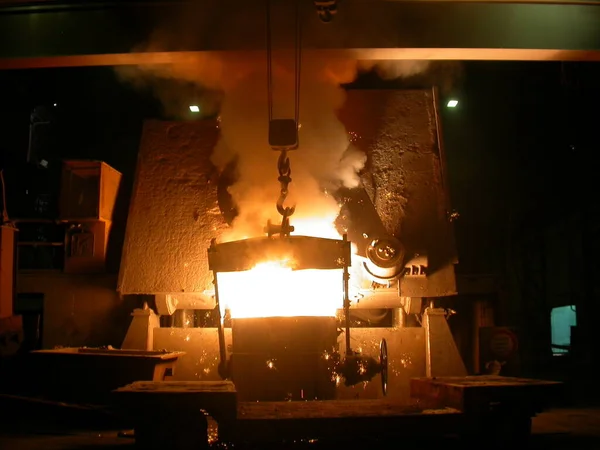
{"type": "Point", "coordinates": [61, 34]}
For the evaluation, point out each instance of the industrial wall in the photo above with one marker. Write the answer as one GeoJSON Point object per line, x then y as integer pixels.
{"type": "Point", "coordinates": [554, 265]}
{"type": "Point", "coordinates": [79, 310]}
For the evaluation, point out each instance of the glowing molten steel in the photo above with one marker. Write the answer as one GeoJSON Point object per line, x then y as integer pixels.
{"type": "Point", "coordinates": [272, 289]}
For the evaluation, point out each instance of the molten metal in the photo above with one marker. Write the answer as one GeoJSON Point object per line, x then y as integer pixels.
{"type": "Point", "coordinates": [273, 289]}
{"type": "Point", "coordinates": [280, 277]}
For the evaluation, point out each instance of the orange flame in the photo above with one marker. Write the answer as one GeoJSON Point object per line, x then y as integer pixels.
{"type": "Point", "coordinates": [272, 289]}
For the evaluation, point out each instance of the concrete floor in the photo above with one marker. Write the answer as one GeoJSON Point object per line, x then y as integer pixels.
{"type": "Point", "coordinates": [557, 429]}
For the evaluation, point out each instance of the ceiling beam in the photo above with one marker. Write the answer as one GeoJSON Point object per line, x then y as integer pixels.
{"type": "Point", "coordinates": [431, 54]}
{"type": "Point", "coordinates": [128, 32]}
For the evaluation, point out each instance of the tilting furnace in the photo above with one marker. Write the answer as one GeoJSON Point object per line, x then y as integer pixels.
{"type": "Point", "coordinates": [299, 316]}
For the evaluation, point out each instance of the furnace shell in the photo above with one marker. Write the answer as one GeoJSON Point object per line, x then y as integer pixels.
{"type": "Point", "coordinates": [175, 213]}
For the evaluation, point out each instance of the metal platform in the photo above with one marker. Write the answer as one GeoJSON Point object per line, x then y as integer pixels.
{"type": "Point", "coordinates": [486, 394]}
{"type": "Point", "coordinates": [174, 413]}
{"type": "Point", "coordinates": [217, 398]}
{"type": "Point", "coordinates": [88, 375]}
{"type": "Point", "coordinates": [330, 419]}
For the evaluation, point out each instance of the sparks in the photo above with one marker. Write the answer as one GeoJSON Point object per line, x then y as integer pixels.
{"type": "Point", "coordinates": [353, 136]}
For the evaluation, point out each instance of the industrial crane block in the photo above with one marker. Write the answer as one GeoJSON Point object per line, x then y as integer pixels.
{"type": "Point", "coordinates": [283, 134]}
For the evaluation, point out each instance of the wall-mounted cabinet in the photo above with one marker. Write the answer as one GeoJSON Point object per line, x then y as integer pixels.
{"type": "Point", "coordinates": [89, 191]}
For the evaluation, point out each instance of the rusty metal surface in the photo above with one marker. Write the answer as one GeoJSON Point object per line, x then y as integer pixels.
{"type": "Point", "coordinates": [117, 353]}
{"type": "Point", "coordinates": [359, 218]}
{"type": "Point", "coordinates": [481, 394]}
{"type": "Point", "coordinates": [172, 398]}
{"type": "Point", "coordinates": [284, 358]}
{"type": "Point", "coordinates": [302, 252]}
{"type": "Point", "coordinates": [331, 409]}
{"type": "Point", "coordinates": [174, 212]}
{"type": "Point", "coordinates": [440, 283]}
{"type": "Point", "coordinates": [178, 387]}
{"type": "Point", "coordinates": [486, 381]}
{"type": "Point", "coordinates": [404, 178]}
{"type": "Point", "coordinates": [406, 360]}
{"type": "Point", "coordinates": [301, 421]}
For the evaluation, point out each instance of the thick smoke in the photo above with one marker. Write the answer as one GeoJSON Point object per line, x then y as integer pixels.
{"type": "Point", "coordinates": [318, 160]}
{"type": "Point", "coordinates": [325, 157]}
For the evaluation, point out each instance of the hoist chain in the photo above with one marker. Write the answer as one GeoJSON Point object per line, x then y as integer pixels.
{"type": "Point", "coordinates": [283, 162]}
{"type": "Point", "coordinates": [285, 178]}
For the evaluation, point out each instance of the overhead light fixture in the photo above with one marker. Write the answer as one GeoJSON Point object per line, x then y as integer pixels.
{"type": "Point", "coordinates": [194, 108]}
{"type": "Point", "coordinates": [452, 103]}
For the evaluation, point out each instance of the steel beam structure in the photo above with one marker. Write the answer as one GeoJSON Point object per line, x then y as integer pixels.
{"type": "Point", "coordinates": [59, 33]}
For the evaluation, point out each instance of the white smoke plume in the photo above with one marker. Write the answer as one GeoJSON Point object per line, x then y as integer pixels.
{"type": "Point", "coordinates": [325, 155]}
